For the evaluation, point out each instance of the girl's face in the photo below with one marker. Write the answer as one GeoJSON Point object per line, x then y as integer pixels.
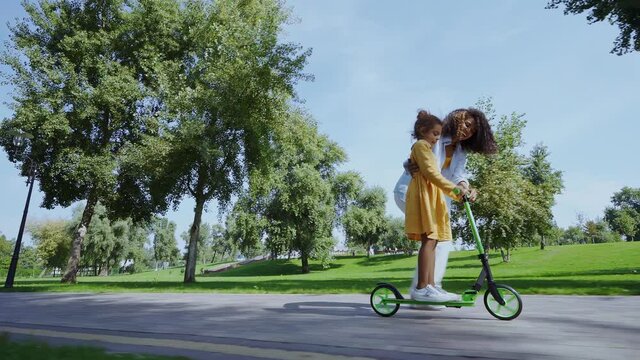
{"type": "Point", "coordinates": [432, 135]}
{"type": "Point", "coordinates": [466, 128]}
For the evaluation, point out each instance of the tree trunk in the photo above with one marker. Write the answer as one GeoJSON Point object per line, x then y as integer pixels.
{"type": "Point", "coordinates": [78, 237]}
{"type": "Point", "coordinates": [194, 233]}
{"type": "Point", "coordinates": [542, 242]}
{"type": "Point", "coordinates": [505, 257]}
{"type": "Point", "coordinates": [305, 262]}
{"type": "Point", "coordinates": [104, 269]}
{"type": "Point", "coordinates": [487, 242]}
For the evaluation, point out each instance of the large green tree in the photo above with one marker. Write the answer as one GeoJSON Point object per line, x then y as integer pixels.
{"type": "Point", "coordinates": [547, 183]}
{"type": "Point", "coordinates": [624, 214]}
{"type": "Point", "coordinates": [80, 71]}
{"type": "Point", "coordinates": [222, 102]}
{"type": "Point", "coordinates": [300, 200]}
{"type": "Point", "coordinates": [6, 251]}
{"type": "Point", "coordinates": [364, 222]}
{"type": "Point", "coordinates": [52, 239]}
{"type": "Point", "coordinates": [624, 13]}
{"type": "Point", "coordinates": [219, 244]}
{"type": "Point", "coordinates": [165, 246]}
{"type": "Point", "coordinates": [292, 207]}
{"type": "Point", "coordinates": [394, 237]}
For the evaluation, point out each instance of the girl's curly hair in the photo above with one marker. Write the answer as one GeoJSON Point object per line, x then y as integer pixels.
{"type": "Point", "coordinates": [481, 141]}
{"type": "Point", "coordinates": [424, 120]}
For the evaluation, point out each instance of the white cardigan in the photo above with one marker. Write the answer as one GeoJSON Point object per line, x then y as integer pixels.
{"type": "Point", "coordinates": [456, 172]}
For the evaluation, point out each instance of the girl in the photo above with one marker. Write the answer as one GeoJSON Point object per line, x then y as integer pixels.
{"type": "Point", "coordinates": [426, 214]}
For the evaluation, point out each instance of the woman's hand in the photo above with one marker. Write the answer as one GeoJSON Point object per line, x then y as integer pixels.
{"type": "Point", "coordinates": [472, 194]}
{"type": "Point", "coordinates": [411, 167]}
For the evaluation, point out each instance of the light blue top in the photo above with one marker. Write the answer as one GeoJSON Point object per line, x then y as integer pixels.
{"type": "Point", "coordinates": [456, 172]}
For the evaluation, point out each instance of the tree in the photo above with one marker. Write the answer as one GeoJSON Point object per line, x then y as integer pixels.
{"type": "Point", "coordinates": [624, 216]}
{"type": "Point", "coordinates": [101, 247]}
{"type": "Point", "coordinates": [245, 228]}
{"type": "Point", "coordinates": [296, 190]}
{"type": "Point", "coordinates": [81, 90]}
{"type": "Point", "coordinates": [6, 251]}
{"type": "Point", "coordinates": [298, 197]}
{"type": "Point", "coordinates": [28, 260]}
{"type": "Point", "coordinates": [53, 242]}
{"type": "Point", "coordinates": [395, 238]}
{"type": "Point", "coordinates": [165, 246]}
{"type": "Point", "coordinates": [346, 187]}
{"type": "Point", "coordinates": [222, 102]}
{"type": "Point", "coordinates": [364, 222]}
{"type": "Point", "coordinates": [573, 235]}
{"type": "Point", "coordinates": [597, 231]}
{"type": "Point", "coordinates": [135, 254]}
{"type": "Point", "coordinates": [219, 244]}
{"type": "Point", "coordinates": [547, 183]}
{"type": "Point", "coordinates": [312, 213]}
{"type": "Point", "coordinates": [625, 13]}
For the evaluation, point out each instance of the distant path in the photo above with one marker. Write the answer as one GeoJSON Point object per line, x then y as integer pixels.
{"type": "Point", "coordinates": [204, 326]}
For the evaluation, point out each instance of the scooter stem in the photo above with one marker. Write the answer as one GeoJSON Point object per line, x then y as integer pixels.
{"type": "Point", "coordinates": [472, 223]}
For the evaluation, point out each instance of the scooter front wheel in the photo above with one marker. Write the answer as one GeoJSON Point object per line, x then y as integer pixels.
{"type": "Point", "coordinates": [384, 292]}
{"type": "Point", "coordinates": [512, 303]}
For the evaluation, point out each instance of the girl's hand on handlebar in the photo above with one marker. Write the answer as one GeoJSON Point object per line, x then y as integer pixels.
{"type": "Point", "coordinates": [461, 190]}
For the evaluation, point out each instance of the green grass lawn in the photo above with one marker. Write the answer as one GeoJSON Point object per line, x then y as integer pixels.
{"type": "Point", "coordinates": [18, 350]}
{"type": "Point", "coordinates": [595, 269]}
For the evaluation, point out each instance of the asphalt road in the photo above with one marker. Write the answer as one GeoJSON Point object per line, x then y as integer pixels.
{"type": "Point", "coordinates": [226, 326]}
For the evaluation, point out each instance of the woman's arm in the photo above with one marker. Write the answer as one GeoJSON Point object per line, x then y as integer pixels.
{"type": "Point", "coordinates": [459, 173]}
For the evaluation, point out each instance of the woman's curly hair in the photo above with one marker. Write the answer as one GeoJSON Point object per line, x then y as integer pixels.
{"type": "Point", "coordinates": [481, 141]}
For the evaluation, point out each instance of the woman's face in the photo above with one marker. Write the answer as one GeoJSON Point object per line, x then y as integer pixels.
{"type": "Point", "coordinates": [466, 128]}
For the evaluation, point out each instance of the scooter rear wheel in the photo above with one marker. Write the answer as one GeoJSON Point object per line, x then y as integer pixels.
{"type": "Point", "coordinates": [512, 307]}
{"type": "Point", "coordinates": [383, 292]}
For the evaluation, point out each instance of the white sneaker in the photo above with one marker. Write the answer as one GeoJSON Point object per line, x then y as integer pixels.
{"type": "Point", "coordinates": [428, 293]}
{"type": "Point", "coordinates": [450, 296]}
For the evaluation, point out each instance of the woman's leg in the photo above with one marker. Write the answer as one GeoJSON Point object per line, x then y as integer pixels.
{"type": "Point", "coordinates": [442, 256]}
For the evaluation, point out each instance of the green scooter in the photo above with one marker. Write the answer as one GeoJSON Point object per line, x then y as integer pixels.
{"type": "Point", "coordinates": [502, 301]}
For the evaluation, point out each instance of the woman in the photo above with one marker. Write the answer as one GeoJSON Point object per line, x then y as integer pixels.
{"type": "Point", "coordinates": [464, 131]}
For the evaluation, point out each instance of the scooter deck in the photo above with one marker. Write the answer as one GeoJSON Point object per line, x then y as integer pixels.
{"type": "Point", "coordinates": [418, 302]}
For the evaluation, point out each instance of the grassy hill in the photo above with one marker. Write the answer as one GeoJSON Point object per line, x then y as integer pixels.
{"type": "Point", "coordinates": [595, 269]}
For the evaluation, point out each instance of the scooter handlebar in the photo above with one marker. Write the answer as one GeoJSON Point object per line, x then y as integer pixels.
{"type": "Point", "coordinates": [465, 197]}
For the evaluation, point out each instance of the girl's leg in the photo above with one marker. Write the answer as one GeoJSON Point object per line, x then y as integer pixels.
{"type": "Point", "coordinates": [443, 248]}
{"type": "Point", "coordinates": [422, 265]}
{"type": "Point", "coordinates": [431, 260]}
{"type": "Point", "coordinates": [426, 262]}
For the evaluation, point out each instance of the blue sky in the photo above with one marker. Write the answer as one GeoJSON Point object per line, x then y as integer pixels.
{"type": "Point", "coordinates": [375, 64]}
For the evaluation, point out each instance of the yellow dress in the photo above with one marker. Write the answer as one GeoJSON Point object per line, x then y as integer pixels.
{"type": "Point", "coordinates": [426, 211]}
